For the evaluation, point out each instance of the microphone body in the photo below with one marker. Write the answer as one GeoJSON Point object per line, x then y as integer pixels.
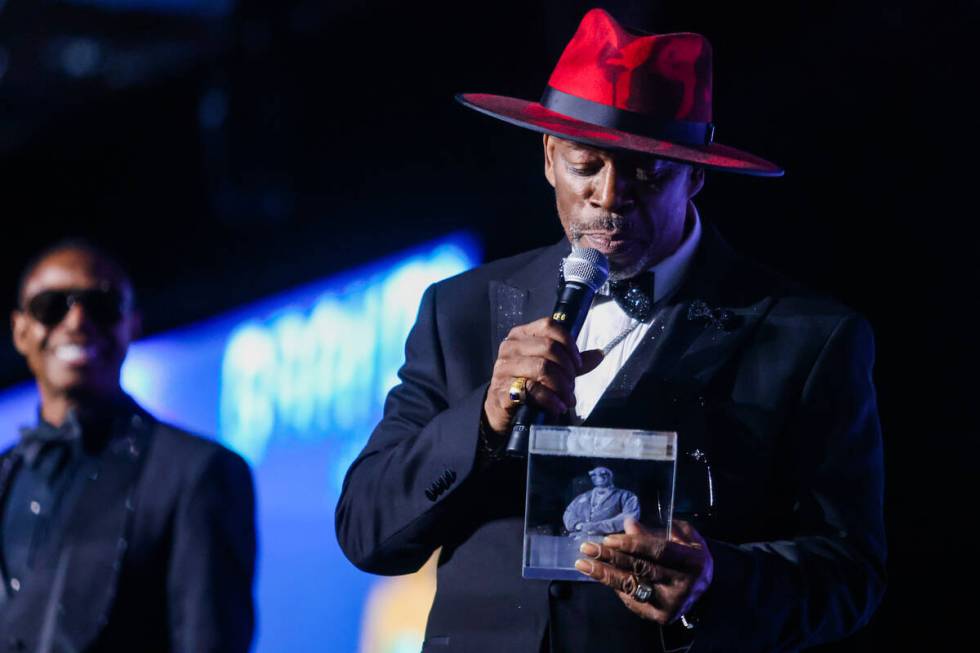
{"type": "Point", "coordinates": [583, 272]}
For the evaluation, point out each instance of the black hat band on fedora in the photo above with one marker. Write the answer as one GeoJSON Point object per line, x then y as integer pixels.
{"type": "Point", "coordinates": [676, 131]}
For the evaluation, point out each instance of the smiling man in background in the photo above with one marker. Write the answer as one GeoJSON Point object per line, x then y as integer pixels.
{"type": "Point", "coordinates": [117, 532]}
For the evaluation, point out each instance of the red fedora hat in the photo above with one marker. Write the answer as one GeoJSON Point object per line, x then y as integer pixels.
{"type": "Point", "coordinates": [615, 89]}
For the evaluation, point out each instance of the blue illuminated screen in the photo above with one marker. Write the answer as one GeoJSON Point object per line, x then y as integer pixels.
{"type": "Point", "coordinates": [295, 383]}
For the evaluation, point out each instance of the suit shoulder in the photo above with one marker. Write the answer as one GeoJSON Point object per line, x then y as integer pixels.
{"type": "Point", "coordinates": [807, 317]}
{"type": "Point", "coordinates": [821, 310]}
{"type": "Point", "coordinates": [194, 451]}
{"type": "Point", "coordinates": [493, 271]}
{"type": "Point", "coordinates": [794, 300]}
{"type": "Point", "coordinates": [465, 296]}
{"type": "Point", "coordinates": [794, 313]}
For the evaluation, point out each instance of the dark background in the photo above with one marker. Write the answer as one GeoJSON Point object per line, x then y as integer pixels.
{"type": "Point", "coordinates": [229, 156]}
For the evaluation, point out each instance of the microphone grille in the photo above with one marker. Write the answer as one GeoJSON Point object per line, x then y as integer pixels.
{"type": "Point", "coordinates": [587, 266]}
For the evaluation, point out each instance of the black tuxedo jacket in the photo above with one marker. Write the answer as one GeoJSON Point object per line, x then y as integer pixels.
{"type": "Point", "coordinates": [778, 394]}
{"type": "Point", "coordinates": [157, 556]}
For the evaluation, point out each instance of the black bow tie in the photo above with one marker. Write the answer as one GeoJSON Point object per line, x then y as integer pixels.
{"type": "Point", "coordinates": [635, 295]}
{"type": "Point", "coordinates": [35, 440]}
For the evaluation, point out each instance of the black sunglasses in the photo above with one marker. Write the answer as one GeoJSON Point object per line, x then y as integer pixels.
{"type": "Point", "coordinates": [104, 306]}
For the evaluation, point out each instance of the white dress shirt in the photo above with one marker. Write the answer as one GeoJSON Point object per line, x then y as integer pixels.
{"type": "Point", "coordinates": [606, 321]}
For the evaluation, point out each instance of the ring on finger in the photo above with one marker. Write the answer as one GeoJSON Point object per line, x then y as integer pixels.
{"type": "Point", "coordinates": [630, 584]}
{"type": "Point", "coordinates": [518, 390]}
{"type": "Point", "coordinates": [641, 568]}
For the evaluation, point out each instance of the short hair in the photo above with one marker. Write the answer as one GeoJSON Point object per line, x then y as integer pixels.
{"type": "Point", "coordinates": [97, 253]}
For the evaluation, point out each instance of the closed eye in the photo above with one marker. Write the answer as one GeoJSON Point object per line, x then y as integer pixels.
{"type": "Point", "coordinates": [583, 170]}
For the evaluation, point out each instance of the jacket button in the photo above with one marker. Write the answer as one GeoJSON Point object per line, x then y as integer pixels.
{"type": "Point", "coordinates": [559, 590]}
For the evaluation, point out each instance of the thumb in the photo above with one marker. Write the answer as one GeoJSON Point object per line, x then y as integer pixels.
{"type": "Point", "coordinates": [590, 360]}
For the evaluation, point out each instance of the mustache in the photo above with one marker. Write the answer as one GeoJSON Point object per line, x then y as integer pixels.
{"type": "Point", "coordinates": [611, 222]}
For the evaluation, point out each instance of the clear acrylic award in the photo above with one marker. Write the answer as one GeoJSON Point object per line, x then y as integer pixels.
{"type": "Point", "coordinates": [582, 484]}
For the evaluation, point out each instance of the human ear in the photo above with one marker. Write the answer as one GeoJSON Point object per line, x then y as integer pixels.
{"type": "Point", "coordinates": [695, 181]}
{"type": "Point", "coordinates": [18, 331]}
{"type": "Point", "coordinates": [549, 159]}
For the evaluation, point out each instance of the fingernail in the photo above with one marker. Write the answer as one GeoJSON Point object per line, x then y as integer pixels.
{"type": "Point", "coordinates": [612, 540]}
{"type": "Point", "coordinates": [584, 566]}
{"type": "Point", "coordinates": [589, 549]}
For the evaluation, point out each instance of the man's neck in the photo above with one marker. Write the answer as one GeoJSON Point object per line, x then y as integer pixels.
{"type": "Point", "coordinates": [55, 407]}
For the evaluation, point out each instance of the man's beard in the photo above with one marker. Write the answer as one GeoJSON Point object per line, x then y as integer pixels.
{"type": "Point", "coordinates": [630, 270]}
{"type": "Point", "coordinates": [612, 222]}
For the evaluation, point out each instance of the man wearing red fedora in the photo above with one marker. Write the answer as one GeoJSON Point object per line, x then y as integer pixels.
{"type": "Point", "coordinates": [781, 545]}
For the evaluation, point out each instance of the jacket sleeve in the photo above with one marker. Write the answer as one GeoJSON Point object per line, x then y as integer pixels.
{"type": "Point", "coordinates": [827, 581]}
{"type": "Point", "coordinates": [209, 579]}
{"type": "Point", "coordinates": [400, 491]}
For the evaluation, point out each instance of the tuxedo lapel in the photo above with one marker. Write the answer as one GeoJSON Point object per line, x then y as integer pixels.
{"type": "Point", "coordinates": [527, 295]}
{"type": "Point", "coordinates": [507, 308]}
{"type": "Point", "coordinates": [715, 344]}
{"type": "Point", "coordinates": [724, 301]}
{"type": "Point", "coordinates": [102, 519]}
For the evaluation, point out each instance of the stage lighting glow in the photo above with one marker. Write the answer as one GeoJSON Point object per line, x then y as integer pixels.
{"type": "Point", "coordinates": [322, 369]}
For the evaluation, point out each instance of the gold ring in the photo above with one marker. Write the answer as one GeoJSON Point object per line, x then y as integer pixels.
{"type": "Point", "coordinates": [518, 390]}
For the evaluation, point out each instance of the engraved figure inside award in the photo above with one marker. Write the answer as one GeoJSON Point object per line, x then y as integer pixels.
{"type": "Point", "coordinates": [582, 485]}
{"type": "Point", "coordinates": [603, 509]}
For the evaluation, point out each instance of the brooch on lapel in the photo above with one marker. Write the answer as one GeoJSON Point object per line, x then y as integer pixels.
{"type": "Point", "coordinates": [721, 319]}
